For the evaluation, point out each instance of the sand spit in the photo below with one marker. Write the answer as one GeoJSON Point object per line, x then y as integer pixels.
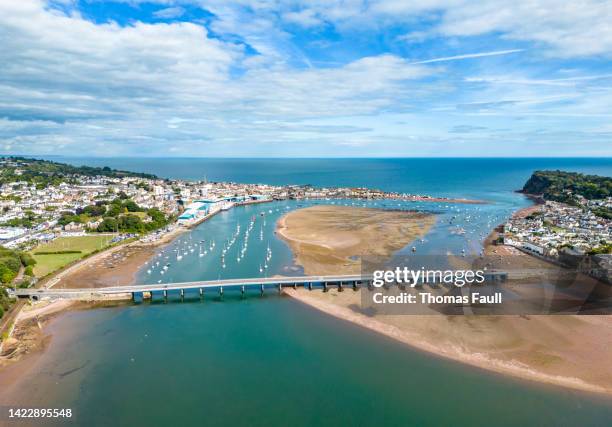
{"type": "Point", "coordinates": [566, 350]}
{"type": "Point", "coordinates": [329, 239]}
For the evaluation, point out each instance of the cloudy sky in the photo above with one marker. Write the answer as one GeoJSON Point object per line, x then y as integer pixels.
{"type": "Point", "coordinates": [311, 79]}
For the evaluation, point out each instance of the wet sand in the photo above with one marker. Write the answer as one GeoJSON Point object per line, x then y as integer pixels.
{"type": "Point", "coordinates": [567, 350]}
{"type": "Point", "coordinates": [28, 342]}
{"type": "Point", "coordinates": [113, 267]}
{"type": "Point", "coordinates": [330, 239]}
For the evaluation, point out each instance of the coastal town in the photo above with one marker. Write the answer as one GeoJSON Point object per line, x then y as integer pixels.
{"type": "Point", "coordinates": [31, 213]}
{"type": "Point", "coordinates": [554, 228]}
{"type": "Point", "coordinates": [63, 229]}
{"type": "Point", "coordinates": [572, 216]}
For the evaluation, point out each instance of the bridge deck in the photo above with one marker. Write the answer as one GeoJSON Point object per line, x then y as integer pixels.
{"type": "Point", "coordinates": [157, 287]}
{"type": "Point", "coordinates": [203, 284]}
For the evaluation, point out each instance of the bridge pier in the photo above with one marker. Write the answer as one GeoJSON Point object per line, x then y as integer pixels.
{"type": "Point", "coordinates": [310, 286]}
{"type": "Point", "coordinates": [280, 288]}
{"type": "Point", "coordinates": [201, 292]}
{"type": "Point", "coordinates": [261, 289]}
{"type": "Point", "coordinates": [133, 296]}
{"type": "Point", "coordinates": [242, 290]}
{"type": "Point", "coordinates": [355, 286]}
{"type": "Point", "coordinates": [324, 286]}
{"type": "Point", "coordinates": [221, 292]}
{"type": "Point", "coordinates": [165, 295]}
{"type": "Point", "coordinates": [340, 289]}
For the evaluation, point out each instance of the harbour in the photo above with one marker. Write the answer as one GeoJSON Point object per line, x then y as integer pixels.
{"type": "Point", "coordinates": [258, 349]}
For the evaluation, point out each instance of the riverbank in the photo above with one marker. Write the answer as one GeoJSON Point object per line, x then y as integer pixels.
{"type": "Point", "coordinates": [569, 351]}
{"type": "Point", "coordinates": [118, 265]}
{"type": "Point", "coordinates": [29, 340]}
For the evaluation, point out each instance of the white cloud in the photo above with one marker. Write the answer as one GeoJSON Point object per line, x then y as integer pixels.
{"type": "Point", "coordinates": [305, 18]}
{"type": "Point", "coordinates": [563, 29]}
{"type": "Point", "coordinates": [169, 12]}
{"type": "Point", "coordinates": [143, 85]}
{"type": "Point", "coordinates": [70, 85]}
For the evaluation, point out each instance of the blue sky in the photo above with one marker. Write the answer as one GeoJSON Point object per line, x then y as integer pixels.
{"type": "Point", "coordinates": [309, 79]}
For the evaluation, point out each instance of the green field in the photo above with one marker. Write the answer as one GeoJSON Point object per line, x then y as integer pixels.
{"type": "Point", "coordinates": [46, 264]}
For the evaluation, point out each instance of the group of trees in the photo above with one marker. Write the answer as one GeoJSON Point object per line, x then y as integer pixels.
{"type": "Point", "coordinates": [131, 223]}
{"type": "Point", "coordinates": [10, 263]}
{"type": "Point", "coordinates": [565, 186]}
{"type": "Point", "coordinates": [561, 186]}
{"type": "Point", "coordinates": [5, 302]}
{"type": "Point", "coordinates": [121, 214]}
{"type": "Point", "coordinates": [43, 173]}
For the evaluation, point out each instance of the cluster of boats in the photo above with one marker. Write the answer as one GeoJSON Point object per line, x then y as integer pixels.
{"type": "Point", "coordinates": [185, 248]}
{"type": "Point", "coordinates": [464, 222]}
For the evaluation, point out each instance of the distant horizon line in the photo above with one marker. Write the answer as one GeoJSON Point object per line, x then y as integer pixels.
{"type": "Point", "coordinates": [41, 156]}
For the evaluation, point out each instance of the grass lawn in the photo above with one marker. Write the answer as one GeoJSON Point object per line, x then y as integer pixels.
{"type": "Point", "coordinates": [46, 264]}
{"type": "Point", "coordinates": [141, 215]}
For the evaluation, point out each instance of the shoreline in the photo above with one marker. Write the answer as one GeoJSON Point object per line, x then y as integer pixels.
{"type": "Point", "coordinates": [532, 348]}
{"type": "Point", "coordinates": [138, 245]}
{"type": "Point", "coordinates": [44, 314]}
{"type": "Point", "coordinates": [46, 310]}
{"type": "Point", "coordinates": [477, 360]}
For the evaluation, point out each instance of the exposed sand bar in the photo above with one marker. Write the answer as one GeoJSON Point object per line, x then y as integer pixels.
{"type": "Point", "coordinates": [330, 239]}
{"type": "Point", "coordinates": [571, 351]}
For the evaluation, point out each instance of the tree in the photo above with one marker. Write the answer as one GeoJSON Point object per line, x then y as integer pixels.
{"type": "Point", "coordinates": [108, 225]}
{"type": "Point", "coordinates": [131, 223]}
{"type": "Point", "coordinates": [6, 275]}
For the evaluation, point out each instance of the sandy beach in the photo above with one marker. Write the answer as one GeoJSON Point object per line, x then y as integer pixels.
{"type": "Point", "coordinates": [571, 351]}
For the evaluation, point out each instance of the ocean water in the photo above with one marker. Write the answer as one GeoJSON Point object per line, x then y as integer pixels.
{"type": "Point", "coordinates": [272, 361]}
{"type": "Point", "coordinates": [470, 177]}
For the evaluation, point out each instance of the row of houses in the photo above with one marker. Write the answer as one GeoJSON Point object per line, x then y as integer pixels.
{"type": "Point", "coordinates": [558, 227]}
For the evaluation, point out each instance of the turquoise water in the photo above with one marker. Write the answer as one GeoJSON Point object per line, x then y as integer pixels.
{"type": "Point", "coordinates": [272, 361]}
{"type": "Point", "coordinates": [269, 362]}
